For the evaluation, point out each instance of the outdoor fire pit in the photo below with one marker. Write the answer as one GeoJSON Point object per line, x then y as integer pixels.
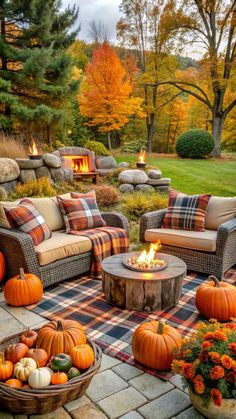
{"type": "Point", "coordinates": [145, 261]}
{"type": "Point", "coordinates": [34, 152]}
{"type": "Point", "coordinates": [141, 163]}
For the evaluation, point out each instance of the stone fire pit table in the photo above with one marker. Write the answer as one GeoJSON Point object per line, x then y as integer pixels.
{"type": "Point", "coordinates": [143, 291]}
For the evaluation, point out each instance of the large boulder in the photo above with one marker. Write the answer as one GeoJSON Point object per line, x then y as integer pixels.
{"type": "Point", "coordinates": [68, 174]}
{"type": "Point", "coordinates": [154, 174]}
{"type": "Point", "coordinates": [135, 177]}
{"type": "Point", "coordinates": [51, 160]}
{"type": "Point", "coordinates": [3, 194]}
{"type": "Point", "coordinates": [9, 186]}
{"type": "Point", "coordinates": [9, 170]}
{"type": "Point", "coordinates": [26, 175]}
{"type": "Point", "coordinates": [144, 188]}
{"type": "Point", "coordinates": [105, 162]}
{"type": "Point", "coordinates": [123, 164]}
{"type": "Point", "coordinates": [43, 172]}
{"type": "Point", "coordinates": [126, 187]}
{"type": "Point", "coordinates": [29, 163]}
{"type": "Point", "coordinates": [57, 174]}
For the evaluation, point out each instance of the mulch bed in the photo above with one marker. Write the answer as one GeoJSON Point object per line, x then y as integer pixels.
{"type": "Point", "coordinates": [110, 327]}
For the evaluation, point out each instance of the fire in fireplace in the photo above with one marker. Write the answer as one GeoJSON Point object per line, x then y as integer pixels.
{"type": "Point", "coordinates": [79, 164]}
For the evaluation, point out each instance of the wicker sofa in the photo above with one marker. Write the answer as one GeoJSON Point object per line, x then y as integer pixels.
{"type": "Point", "coordinates": [212, 251]}
{"type": "Point", "coordinates": [61, 257]}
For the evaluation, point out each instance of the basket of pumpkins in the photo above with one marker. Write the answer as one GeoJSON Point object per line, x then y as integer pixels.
{"type": "Point", "coordinates": [41, 370]}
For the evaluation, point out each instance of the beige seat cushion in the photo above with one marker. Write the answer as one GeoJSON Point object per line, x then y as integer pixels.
{"type": "Point", "coordinates": [197, 240]}
{"type": "Point", "coordinates": [60, 246]}
{"type": "Point", "coordinates": [219, 211]}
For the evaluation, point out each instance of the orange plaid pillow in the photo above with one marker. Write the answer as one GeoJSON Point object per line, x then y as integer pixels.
{"type": "Point", "coordinates": [25, 217]}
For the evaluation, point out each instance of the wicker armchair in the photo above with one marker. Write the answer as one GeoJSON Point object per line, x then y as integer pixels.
{"type": "Point", "coordinates": [216, 263]}
{"type": "Point", "coordinates": [19, 252]}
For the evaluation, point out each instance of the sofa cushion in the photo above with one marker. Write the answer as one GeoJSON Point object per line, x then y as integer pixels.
{"type": "Point", "coordinates": [197, 240]}
{"type": "Point", "coordinates": [219, 211]}
{"type": "Point", "coordinates": [186, 212]}
{"type": "Point", "coordinates": [60, 246]}
{"type": "Point", "coordinates": [3, 219]}
{"type": "Point", "coordinates": [25, 217]}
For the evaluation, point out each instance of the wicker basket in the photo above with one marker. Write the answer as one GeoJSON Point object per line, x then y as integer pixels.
{"type": "Point", "coordinates": [40, 401]}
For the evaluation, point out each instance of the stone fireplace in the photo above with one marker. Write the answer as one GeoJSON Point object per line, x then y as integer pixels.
{"type": "Point", "coordinates": [79, 159]}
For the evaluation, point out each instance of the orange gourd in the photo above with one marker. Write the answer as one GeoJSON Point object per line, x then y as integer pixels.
{"type": "Point", "coordinates": [82, 356]}
{"type": "Point", "coordinates": [16, 352]}
{"type": "Point", "coordinates": [39, 355]}
{"type": "Point", "coordinates": [60, 336]}
{"type": "Point", "coordinates": [59, 378]}
{"type": "Point", "coordinates": [153, 344]}
{"type": "Point", "coordinates": [23, 289]}
{"type": "Point", "coordinates": [28, 338]}
{"type": "Point", "coordinates": [2, 267]}
{"type": "Point", "coordinates": [6, 368]}
{"type": "Point", "coordinates": [216, 299]}
{"type": "Point", "coordinates": [14, 382]}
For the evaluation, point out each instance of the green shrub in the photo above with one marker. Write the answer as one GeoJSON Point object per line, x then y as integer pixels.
{"type": "Point", "coordinates": [195, 144]}
{"type": "Point", "coordinates": [37, 188]}
{"type": "Point", "coordinates": [138, 203]}
{"type": "Point", "coordinates": [134, 146]}
{"type": "Point", "coordinates": [98, 148]}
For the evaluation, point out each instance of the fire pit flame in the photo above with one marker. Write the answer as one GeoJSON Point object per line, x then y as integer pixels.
{"type": "Point", "coordinates": [33, 149]}
{"type": "Point", "coordinates": [146, 261]}
{"type": "Point", "coordinates": [142, 156]}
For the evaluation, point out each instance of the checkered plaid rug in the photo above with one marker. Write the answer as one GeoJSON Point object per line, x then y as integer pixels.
{"type": "Point", "coordinates": [112, 328]}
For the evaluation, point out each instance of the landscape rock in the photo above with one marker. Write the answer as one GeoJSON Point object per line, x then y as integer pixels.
{"type": "Point", "coordinates": [126, 187]}
{"type": "Point", "coordinates": [29, 164]}
{"type": "Point", "coordinates": [51, 160]}
{"type": "Point", "coordinates": [56, 153]}
{"type": "Point", "coordinates": [68, 174]}
{"type": "Point", "coordinates": [135, 177]}
{"type": "Point", "coordinates": [57, 174]}
{"type": "Point", "coordinates": [9, 170]}
{"type": "Point", "coordinates": [153, 182]}
{"type": "Point", "coordinates": [154, 174]}
{"type": "Point", "coordinates": [162, 189]}
{"type": "Point", "coordinates": [104, 172]}
{"type": "Point", "coordinates": [9, 186]}
{"type": "Point", "coordinates": [105, 162]}
{"type": "Point", "coordinates": [165, 181]}
{"type": "Point", "coordinates": [26, 175]}
{"type": "Point", "coordinates": [3, 194]}
{"type": "Point", "coordinates": [123, 164]}
{"type": "Point", "coordinates": [43, 172]}
{"type": "Point", "coordinates": [144, 188]}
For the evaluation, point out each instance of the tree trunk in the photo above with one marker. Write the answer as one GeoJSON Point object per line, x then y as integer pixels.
{"type": "Point", "coordinates": [217, 128]}
{"type": "Point", "coordinates": [151, 130]}
{"type": "Point", "coordinates": [109, 141]}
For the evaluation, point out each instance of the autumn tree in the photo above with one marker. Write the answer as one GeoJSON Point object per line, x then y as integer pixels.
{"type": "Point", "coordinates": [34, 66]}
{"type": "Point", "coordinates": [211, 24]}
{"type": "Point", "coordinates": [105, 92]}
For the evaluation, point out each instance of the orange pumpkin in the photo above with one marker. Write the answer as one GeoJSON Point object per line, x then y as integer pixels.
{"type": "Point", "coordinates": [82, 356]}
{"type": "Point", "coordinates": [153, 344]}
{"type": "Point", "coordinates": [39, 355]}
{"type": "Point", "coordinates": [14, 382]}
{"type": "Point", "coordinates": [16, 352]}
{"type": "Point", "coordinates": [216, 299]}
{"type": "Point", "coordinates": [23, 289]}
{"type": "Point", "coordinates": [60, 336]}
{"type": "Point", "coordinates": [2, 267]}
{"type": "Point", "coordinates": [6, 368]}
{"type": "Point", "coordinates": [28, 338]}
{"type": "Point", "coordinates": [59, 378]}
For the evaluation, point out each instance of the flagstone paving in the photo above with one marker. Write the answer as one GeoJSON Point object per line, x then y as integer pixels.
{"type": "Point", "coordinates": [119, 390]}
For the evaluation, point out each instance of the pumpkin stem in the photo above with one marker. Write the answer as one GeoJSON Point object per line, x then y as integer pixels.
{"type": "Point", "coordinates": [215, 280]}
{"type": "Point", "coordinates": [160, 327]}
{"type": "Point", "coordinates": [59, 325]}
{"type": "Point", "coordinates": [22, 273]}
{"type": "Point", "coordinates": [2, 358]}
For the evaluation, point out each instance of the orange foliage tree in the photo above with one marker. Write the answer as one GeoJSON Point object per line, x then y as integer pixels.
{"type": "Point", "coordinates": [105, 96]}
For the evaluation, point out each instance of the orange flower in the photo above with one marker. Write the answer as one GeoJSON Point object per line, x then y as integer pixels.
{"type": "Point", "coordinates": [218, 335]}
{"type": "Point", "coordinates": [231, 377]}
{"type": "Point", "coordinates": [216, 396]}
{"type": "Point", "coordinates": [206, 344]}
{"type": "Point", "coordinates": [177, 366]}
{"type": "Point", "coordinates": [226, 361]}
{"type": "Point", "coordinates": [234, 366]}
{"type": "Point", "coordinates": [208, 336]}
{"type": "Point", "coordinates": [203, 356]}
{"type": "Point", "coordinates": [188, 370]}
{"type": "Point", "coordinates": [232, 347]}
{"type": "Point", "coordinates": [213, 321]}
{"type": "Point", "coordinates": [215, 357]}
{"type": "Point", "coordinates": [217, 372]}
{"type": "Point", "coordinates": [199, 387]}
{"type": "Point", "coordinates": [198, 377]}
{"type": "Point", "coordinates": [196, 362]}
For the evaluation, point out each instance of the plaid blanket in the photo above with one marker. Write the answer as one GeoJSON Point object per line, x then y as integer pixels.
{"type": "Point", "coordinates": [110, 327]}
{"type": "Point", "coordinates": [106, 241]}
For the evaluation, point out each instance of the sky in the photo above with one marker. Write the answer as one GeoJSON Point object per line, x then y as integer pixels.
{"type": "Point", "coordinates": [107, 11]}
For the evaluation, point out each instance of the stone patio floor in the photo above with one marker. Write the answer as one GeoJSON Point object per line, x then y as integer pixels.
{"type": "Point", "coordinates": [117, 391]}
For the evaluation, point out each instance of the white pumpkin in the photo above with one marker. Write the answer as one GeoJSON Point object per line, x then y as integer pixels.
{"type": "Point", "coordinates": [24, 367]}
{"type": "Point", "coordinates": [39, 378]}
{"type": "Point", "coordinates": [50, 370]}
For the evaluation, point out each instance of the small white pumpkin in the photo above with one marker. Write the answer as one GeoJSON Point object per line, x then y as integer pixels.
{"type": "Point", "coordinates": [50, 370]}
{"type": "Point", "coordinates": [39, 378]}
{"type": "Point", "coordinates": [24, 367]}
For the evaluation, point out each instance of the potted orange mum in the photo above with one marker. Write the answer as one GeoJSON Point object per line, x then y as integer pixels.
{"type": "Point", "coordinates": [207, 363]}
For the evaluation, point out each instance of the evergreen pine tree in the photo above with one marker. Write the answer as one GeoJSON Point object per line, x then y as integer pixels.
{"type": "Point", "coordinates": [34, 65]}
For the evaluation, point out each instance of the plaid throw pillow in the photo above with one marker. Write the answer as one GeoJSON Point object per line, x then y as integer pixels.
{"type": "Point", "coordinates": [80, 214]}
{"type": "Point", "coordinates": [25, 217]}
{"type": "Point", "coordinates": [186, 212]}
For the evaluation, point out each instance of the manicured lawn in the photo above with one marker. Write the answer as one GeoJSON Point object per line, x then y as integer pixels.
{"type": "Point", "coordinates": [211, 176]}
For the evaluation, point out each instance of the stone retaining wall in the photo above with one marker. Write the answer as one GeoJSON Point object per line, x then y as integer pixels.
{"type": "Point", "coordinates": [138, 180]}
